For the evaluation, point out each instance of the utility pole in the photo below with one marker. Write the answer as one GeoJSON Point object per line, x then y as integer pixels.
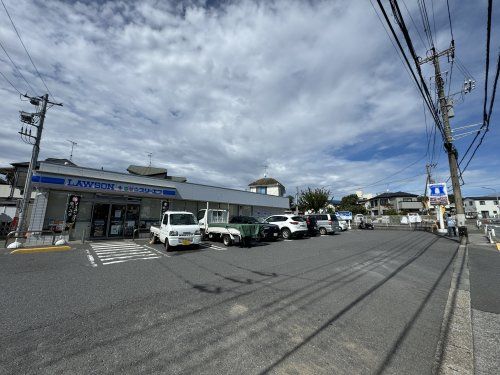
{"type": "Point", "coordinates": [297, 201]}
{"type": "Point", "coordinates": [30, 119]}
{"type": "Point", "coordinates": [448, 142]}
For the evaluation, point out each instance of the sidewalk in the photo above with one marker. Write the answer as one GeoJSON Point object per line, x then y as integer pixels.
{"type": "Point", "coordinates": [484, 265]}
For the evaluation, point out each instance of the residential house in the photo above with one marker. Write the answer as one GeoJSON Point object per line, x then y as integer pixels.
{"type": "Point", "coordinates": [399, 201]}
{"type": "Point", "coordinates": [267, 185]}
{"type": "Point", "coordinates": [481, 207]}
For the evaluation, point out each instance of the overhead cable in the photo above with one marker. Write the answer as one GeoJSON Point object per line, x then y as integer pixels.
{"type": "Point", "coordinates": [17, 69]}
{"type": "Point", "coordinates": [10, 83]}
{"type": "Point", "coordinates": [26, 50]}
{"type": "Point", "coordinates": [420, 84]}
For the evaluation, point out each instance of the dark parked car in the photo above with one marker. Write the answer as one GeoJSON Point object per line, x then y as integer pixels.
{"type": "Point", "coordinates": [268, 232]}
{"type": "Point", "coordinates": [312, 226]}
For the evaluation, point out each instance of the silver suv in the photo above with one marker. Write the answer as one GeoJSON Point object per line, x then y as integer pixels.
{"type": "Point", "coordinates": [327, 223]}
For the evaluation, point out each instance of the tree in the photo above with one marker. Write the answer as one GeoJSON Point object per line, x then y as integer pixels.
{"type": "Point", "coordinates": [350, 203]}
{"type": "Point", "coordinates": [314, 200]}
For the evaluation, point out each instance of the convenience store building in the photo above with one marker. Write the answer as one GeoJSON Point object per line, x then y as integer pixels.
{"type": "Point", "coordinates": [112, 204]}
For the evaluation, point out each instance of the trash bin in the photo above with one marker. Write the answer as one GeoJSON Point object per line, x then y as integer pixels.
{"type": "Point", "coordinates": [462, 231]}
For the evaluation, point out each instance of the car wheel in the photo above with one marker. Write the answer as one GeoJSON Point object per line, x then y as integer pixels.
{"type": "Point", "coordinates": [322, 231]}
{"type": "Point", "coordinates": [226, 240]}
{"type": "Point", "coordinates": [204, 236]}
{"type": "Point", "coordinates": [285, 233]}
{"type": "Point", "coordinates": [153, 239]}
{"type": "Point", "coordinates": [168, 248]}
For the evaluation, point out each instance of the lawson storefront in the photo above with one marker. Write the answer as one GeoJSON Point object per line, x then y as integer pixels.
{"type": "Point", "coordinates": [99, 204]}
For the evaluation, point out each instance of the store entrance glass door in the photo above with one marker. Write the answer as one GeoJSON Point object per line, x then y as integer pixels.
{"type": "Point", "coordinates": [116, 220]}
{"type": "Point", "coordinates": [99, 225]}
{"type": "Point", "coordinates": [131, 219]}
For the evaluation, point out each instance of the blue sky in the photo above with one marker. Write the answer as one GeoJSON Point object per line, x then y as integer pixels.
{"type": "Point", "coordinates": [312, 89]}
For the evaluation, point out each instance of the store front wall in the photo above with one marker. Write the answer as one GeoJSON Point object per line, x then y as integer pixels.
{"type": "Point", "coordinates": [108, 216]}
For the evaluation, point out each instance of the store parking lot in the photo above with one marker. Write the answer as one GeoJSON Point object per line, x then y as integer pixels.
{"type": "Point", "coordinates": [356, 302]}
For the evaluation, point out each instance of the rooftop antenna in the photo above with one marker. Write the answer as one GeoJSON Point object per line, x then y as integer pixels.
{"type": "Point", "coordinates": [73, 144]}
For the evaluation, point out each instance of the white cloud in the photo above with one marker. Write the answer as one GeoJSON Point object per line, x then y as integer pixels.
{"type": "Point", "coordinates": [312, 89]}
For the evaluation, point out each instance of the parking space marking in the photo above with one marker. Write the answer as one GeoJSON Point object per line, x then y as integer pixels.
{"type": "Point", "coordinates": [212, 246]}
{"type": "Point", "coordinates": [157, 251]}
{"type": "Point", "coordinates": [91, 258]}
{"type": "Point", "coordinates": [120, 252]}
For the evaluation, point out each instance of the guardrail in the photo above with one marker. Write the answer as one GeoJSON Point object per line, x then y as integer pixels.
{"type": "Point", "coordinates": [29, 233]}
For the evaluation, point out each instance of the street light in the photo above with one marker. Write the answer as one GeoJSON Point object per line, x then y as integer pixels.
{"type": "Point", "coordinates": [496, 194]}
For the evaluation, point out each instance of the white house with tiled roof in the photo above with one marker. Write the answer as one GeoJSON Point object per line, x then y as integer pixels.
{"type": "Point", "coordinates": [267, 185]}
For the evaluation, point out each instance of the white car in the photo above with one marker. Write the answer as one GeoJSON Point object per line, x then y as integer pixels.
{"type": "Point", "coordinates": [343, 224]}
{"type": "Point", "coordinates": [290, 225]}
{"type": "Point", "coordinates": [178, 228]}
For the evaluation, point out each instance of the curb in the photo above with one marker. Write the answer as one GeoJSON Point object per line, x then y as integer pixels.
{"type": "Point", "coordinates": [455, 351]}
{"type": "Point", "coordinates": [47, 249]}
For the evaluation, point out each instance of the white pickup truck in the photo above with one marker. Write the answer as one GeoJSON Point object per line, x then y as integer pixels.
{"type": "Point", "coordinates": [178, 228]}
{"type": "Point", "coordinates": [214, 225]}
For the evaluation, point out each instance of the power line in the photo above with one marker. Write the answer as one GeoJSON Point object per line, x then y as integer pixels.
{"type": "Point", "coordinates": [10, 83]}
{"type": "Point", "coordinates": [425, 22]}
{"type": "Point", "coordinates": [426, 95]}
{"type": "Point", "coordinates": [488, 37]}
{"type": "Point", "coordinates": [17, 69]}
{"type": "Point", "coordinates": [488, 116]}
{"type": "Point", "coordinates": [415, 24]}
{"type": "Point", "coordinates": [449, 19]}
{"type": "Point", "coordinates": [25, 49]}
{"type": "Point", "coordinates": [392, 42]}
{"type": "Point", "coordinates": [433, 18]}
{"type": "Point", "coordinates": [485, 115]}
{"type": "Point", "coordinates": [395, 173]}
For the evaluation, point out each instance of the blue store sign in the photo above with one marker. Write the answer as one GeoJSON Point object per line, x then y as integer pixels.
{"type": "Point", "coordinates": [438, 194]}
{"type": "Point", "coordinates": [344, 215]}
{"type": "Point", "coordinates": [94, 185]}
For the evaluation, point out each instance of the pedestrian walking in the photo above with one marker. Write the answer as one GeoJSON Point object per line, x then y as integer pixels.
{"type": "Point", "coordinates": [450, 223]}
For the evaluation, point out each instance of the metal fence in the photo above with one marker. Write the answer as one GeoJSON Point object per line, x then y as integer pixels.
{"type": "Point", "coordinates": [35, 237]}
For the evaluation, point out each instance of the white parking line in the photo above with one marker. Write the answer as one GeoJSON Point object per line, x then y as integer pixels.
{"type": "Point", "coordinates": [128, 260]}
{"type": "Point", "coordinates": [119, 252]}
{"type": "Point", "coordinates": [156, 251]}
{"type": "Point", "coordinates": [91, 258]}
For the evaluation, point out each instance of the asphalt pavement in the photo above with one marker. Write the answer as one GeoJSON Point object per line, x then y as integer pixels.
{"type": "Point", "coordinates": [484, 264]}
{"type": "Point", "coordinates": [356, 302]}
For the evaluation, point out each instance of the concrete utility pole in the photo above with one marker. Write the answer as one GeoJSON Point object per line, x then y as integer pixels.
{"type": "Point", "coordinates": [448, 144]}
{"type": "Point", "coordinates": [32, 165]}
{"type": "Point", "coordinates": [29, 118]}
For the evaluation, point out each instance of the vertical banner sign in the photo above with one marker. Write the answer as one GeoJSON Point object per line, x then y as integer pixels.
{"type": "Point", "coordinates": [72, 210]}
{"type": "Point", "coordinates": [438, 194]}
{"type": "Point", "coordinates": [165, 205]}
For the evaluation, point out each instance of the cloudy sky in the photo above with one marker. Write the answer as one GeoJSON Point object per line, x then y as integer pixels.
{"type": "Point", "coordinates": [216, 90]}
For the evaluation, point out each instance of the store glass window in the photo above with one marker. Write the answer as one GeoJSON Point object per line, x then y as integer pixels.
{"type": "Point", "coordinates": [150, 213]}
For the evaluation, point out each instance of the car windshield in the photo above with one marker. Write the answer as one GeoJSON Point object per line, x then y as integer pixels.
{"type": "Point", "coordinates": [297, 218]}
{"type": "Point", "coordinates": [182, 219]}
